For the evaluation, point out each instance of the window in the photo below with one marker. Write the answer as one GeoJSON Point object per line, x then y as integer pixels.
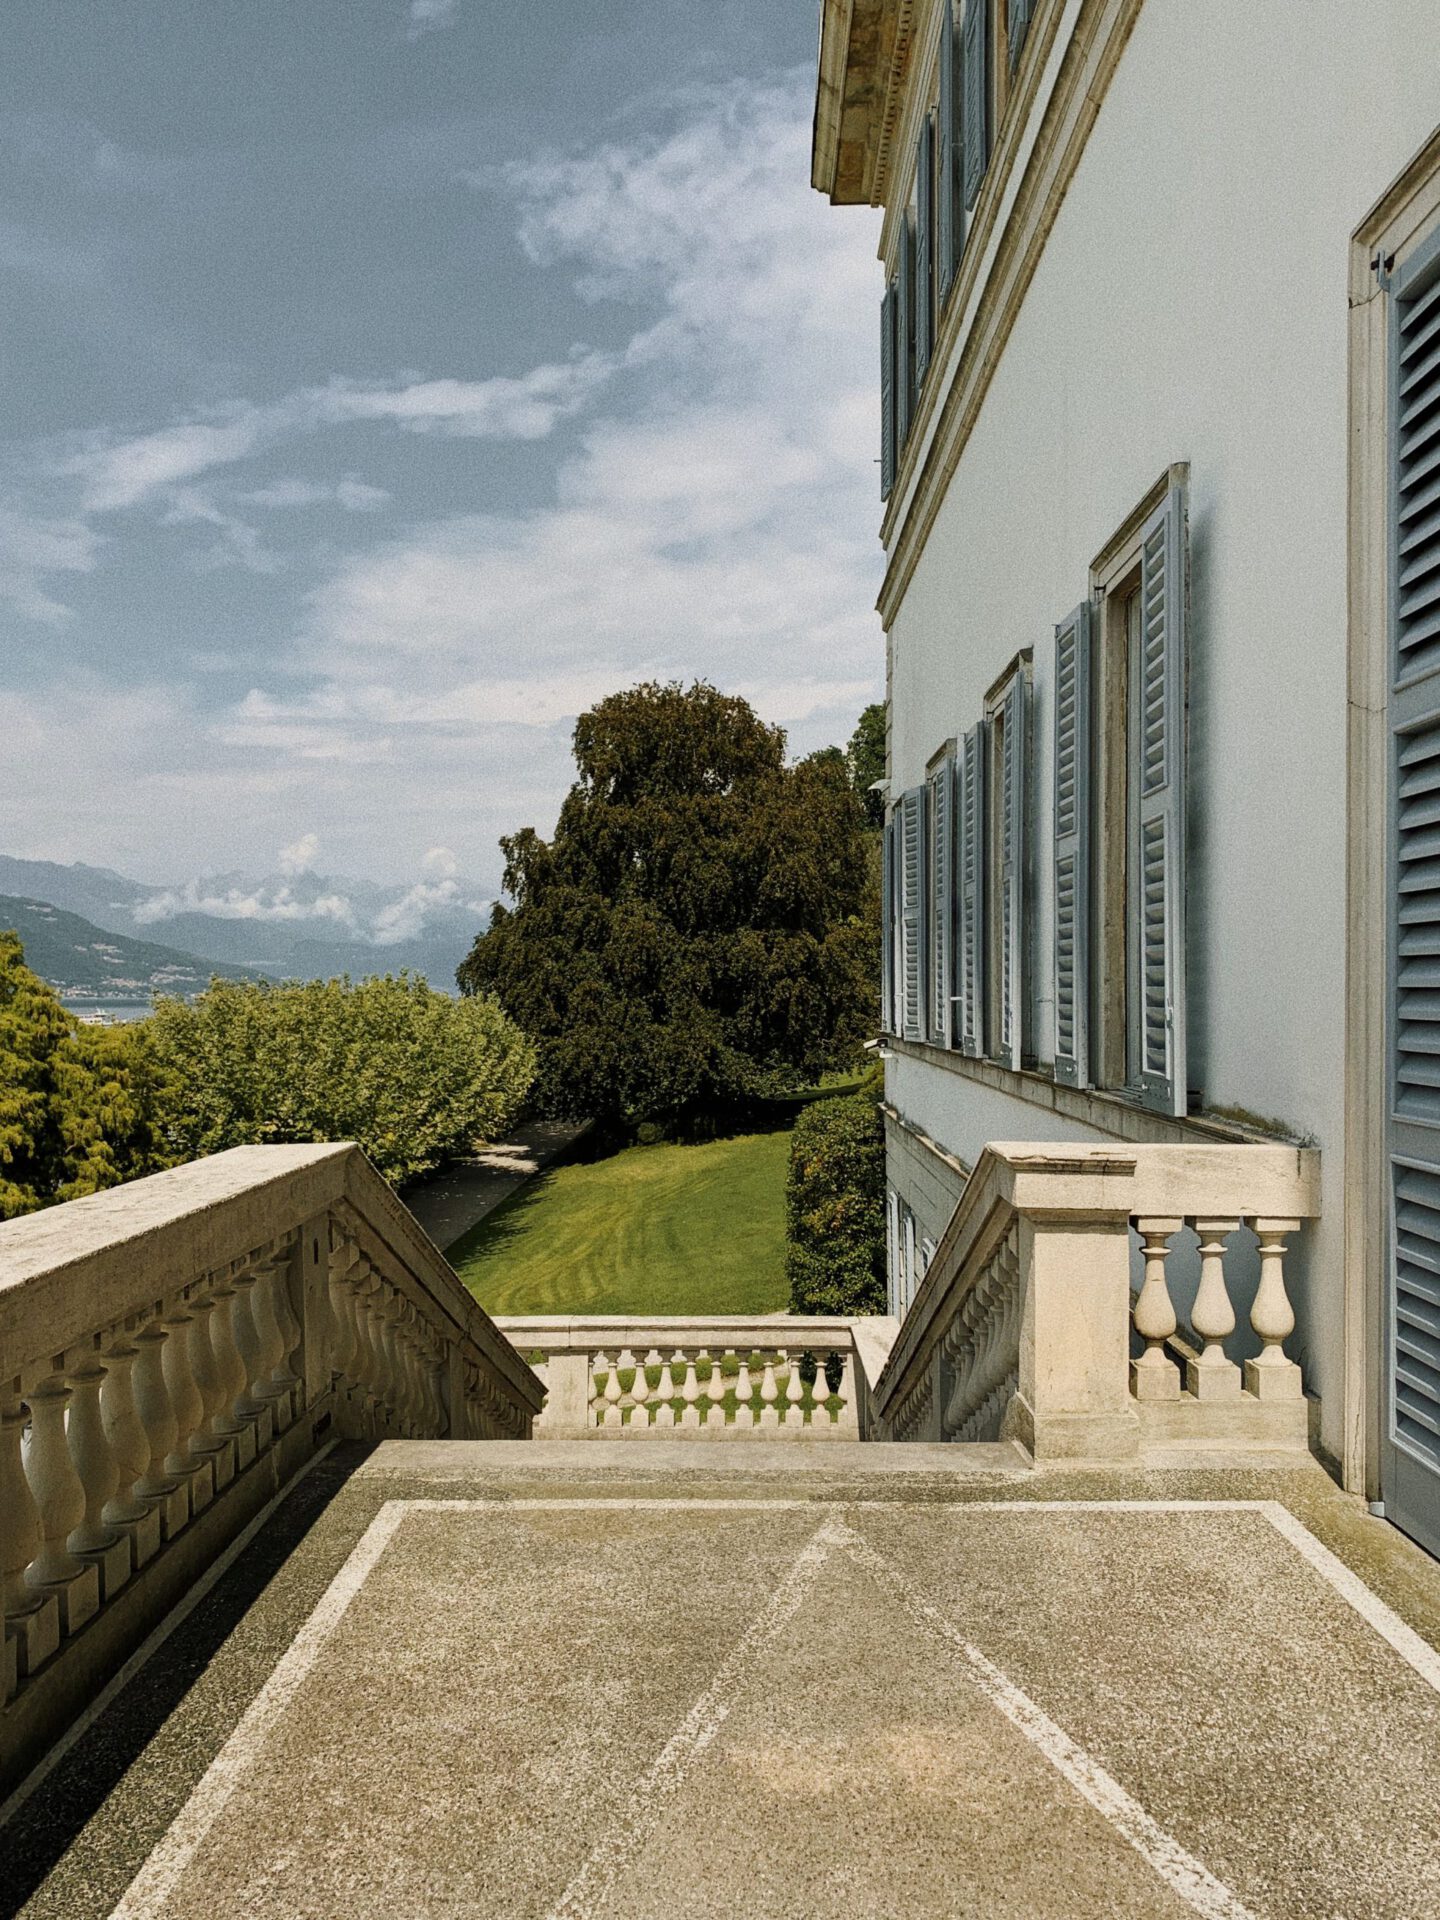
{"type": "Point", "coordinates": [939, 839]}
{"type": "Point", "coordinates": [1119, 841]}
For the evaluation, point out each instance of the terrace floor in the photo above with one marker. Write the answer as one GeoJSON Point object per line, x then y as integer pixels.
{"type": "Point", "coordinates": [568, 1679]}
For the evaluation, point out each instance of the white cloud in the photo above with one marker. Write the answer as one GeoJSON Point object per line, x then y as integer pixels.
{"type": "Point", "coordinates": [427, 16]}
{"type": "Point", "coordinates": [34, 546]}
{"type": "Point", "coordinates": [300, 855]}
{"type": "Point", "coordinates": [355, 496]}
{"type": "Point", "coordinates": [440, 863]}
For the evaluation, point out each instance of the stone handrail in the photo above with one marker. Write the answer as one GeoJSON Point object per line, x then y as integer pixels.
{"type": "Point", "coordinates": [1022, 1325]}
{"type": "Point", "coordinates": [171, 1352]}
{"type": "Point", "coordinates": [729, 1376]}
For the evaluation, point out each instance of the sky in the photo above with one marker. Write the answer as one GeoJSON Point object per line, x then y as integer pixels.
{"type": "Point", "coordinates": [384, 381]}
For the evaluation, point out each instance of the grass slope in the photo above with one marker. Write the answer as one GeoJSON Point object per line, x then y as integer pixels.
{"type": "Point", "coordinates": [653, 1230]}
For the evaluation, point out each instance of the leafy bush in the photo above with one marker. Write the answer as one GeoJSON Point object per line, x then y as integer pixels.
{"type": "Point", "coordinates": [77, 1104]}
{"type": "Point", "coordinates": [412, 1075]}
{"type": "Point", "coordinates": [835, 1207]}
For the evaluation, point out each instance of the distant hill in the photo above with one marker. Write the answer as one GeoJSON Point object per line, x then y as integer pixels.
{"type": "Point", "coordinates": [80, 959]}
{"type": "Point", "coordinates": [293, 927]}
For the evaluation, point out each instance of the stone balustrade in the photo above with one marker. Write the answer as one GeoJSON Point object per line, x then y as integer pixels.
{"type": "Point", "coordinates": [725, 1378]}
{"type": "Point", "coordinates": [171, 1353]}
{"type": "Point", "coordinates": [1049, 1312]}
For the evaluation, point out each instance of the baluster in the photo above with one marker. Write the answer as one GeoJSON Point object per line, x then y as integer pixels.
{"type": "Point", "coordinates": [1271, 1375]}
{"type": "Point", "coordinates": [820, 1398]}
{"type": "Point", "coordinates": [187, 1467]}
{"type": "Point", "coordinates": [1155, 1376]}
{"type": "Point", "coordinates": [152, 1403]}
{"type": "Point", "coordinates": [664, 1391]}
{"type": "Point", "coordinates": [433, 1353]}
{"type": "Point", "coordinates": [794, 1391]}
{"type": "Point", "coordinates": [60, 1504]}
{"type": "Point", "coordinates": [609, 1405]}
{"type": "Point", "coordinates": [1210, 1375]}
{"type": "Point", "coordinates": [131, 1450]}
{"type": "Point", "coordinates": [291, 1387]}
{"type": "Point", "coordinates": [366, 1296]}
{"type": "Point", "coordinates": [392, 1383]}
{"type": "Point", "coordinates": [768, 1394]}
{"type": "Point", "coordinates": [715, 1390]}
{"type": "Point", "coordinates": [414, 1376]}
{"type": "Point", "coordinates": [344, 1342]}
{"type": "Point", "coordinates": [31, 1617]}
{"type": "Point", "coordinates": [847, 1420]}
{"type": "Point", "coordinates": [746, 1411]}
{"type": "Point", "coordinates": [95, 1538]}
{"type": "Point", "coordinates": [207, 1442]}
{"type": "Point", "coordinates": [269, 1341]}
{"type": "Point", "coordinates": [690, 1393]}
{"type": "Point", "coordinates": [639, 1398]}
{"type": "Point", "coordinates": [229, 1421]}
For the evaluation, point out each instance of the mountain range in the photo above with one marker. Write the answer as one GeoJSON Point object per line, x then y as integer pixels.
{"type": "Point", "coordinates": [291, 925]}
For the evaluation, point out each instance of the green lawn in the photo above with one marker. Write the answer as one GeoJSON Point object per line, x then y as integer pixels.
{"type": "Point", "coordinates": [654, 1230]}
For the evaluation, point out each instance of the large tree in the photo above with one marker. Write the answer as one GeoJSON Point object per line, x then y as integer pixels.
{"type": "Point", "coordinates": [865, 756]}
{"type": "Point", "coordinates": [700, 931]}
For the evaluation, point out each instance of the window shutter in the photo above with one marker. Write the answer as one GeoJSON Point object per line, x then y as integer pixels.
{"type": "Point", "coordinates": [1013, 780]}
{"type": "Point", "coordinates": [1157, 734]}
{"type": "Point", "coordinates": [1019, 24]}
{"type": "Point", "coordinates": [924, 247]}
{"type": "Point", "coordinates": [968, 1019]}
{"type": "Point", "coordinates": [975, 83]}
{"type": "Point", "coordinates": [1072, 847]}
{"type": "Point", "coordinates": [947, 197]}
{"type": "Point", "coordinates": [908, 1264]}
{"type": "Point", "coordinates": [912, 919]}
{"type": "Point", "coordinates": [904, 337]}
{"type": "Point", "coordinates": [892, 1248]}
{"type": "Point", "coordinates": [887, 391]}
{"type": "Point", "coordinates": [942, 808]}
{"type": "Point", "coordinates": [887, 928]}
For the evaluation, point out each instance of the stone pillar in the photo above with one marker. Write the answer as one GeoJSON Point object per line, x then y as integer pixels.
{"type": "Point", "coordinates": [567, 1409]}
{"type": "Point", "coordinates": [1073, 1401]}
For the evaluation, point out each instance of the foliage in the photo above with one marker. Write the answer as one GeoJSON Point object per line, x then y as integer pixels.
{"type": "Point", "coordinates": [835, 1207]}
{"type": "Point", "coordinates": [410, 1074]}
{"type": "Point", "coordinates": [865, 758]}
{"type": "Point", "coordinates": [701, 930]}
{"type": "Point", "coordinates": [78, 1104]}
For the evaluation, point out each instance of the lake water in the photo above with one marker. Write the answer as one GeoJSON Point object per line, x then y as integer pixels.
{"type": "Point", "coordinates": [111, 1012]}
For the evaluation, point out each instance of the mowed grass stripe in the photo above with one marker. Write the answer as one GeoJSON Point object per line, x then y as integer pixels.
{"type": "Point", "coordinates": [651, 1230]}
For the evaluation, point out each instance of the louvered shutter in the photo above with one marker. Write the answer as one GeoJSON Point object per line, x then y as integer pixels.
{"type": "Point", "coordinates": [924, 246]}
{"type": "Point", "coordinates": [912, 916]}
{"type": "Point", "coordinates": [948, 217]}
{"type": "Point", "coordinates": [892, 1249]}
{"type": "Point", "coordinates": [942, 853]}
{"type": "Point", "coordinates": [887, 929]}
{"type": "Point", "coordinates": [1412, 1476]}
{"type": "Point", "coordinates": [975, 81]}
{"type": "Point", "coordinates": [1072, 847]}
{"type": "Point", "coordinates": [908, 1265]}
{"type": "Point", "coordinates": [968, 1018]}
{"type": "Point", "coordinates": [1014, 776]}
{"type": "Point", "coordinates": [1157, 772]}
{"type": "Point", "coordinates": [1018, 26]}
{"type": "Point", "coordinates": [904, 338]}
{"type": "Point", "coordinates": [887, 391]}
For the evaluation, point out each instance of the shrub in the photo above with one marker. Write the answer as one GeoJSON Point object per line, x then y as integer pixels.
{"type": "Point", "coordinates": [413, 1076]}
{"type": "Point", "coordinates": [835, 1208]}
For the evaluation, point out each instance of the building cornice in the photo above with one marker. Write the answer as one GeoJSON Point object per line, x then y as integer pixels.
{"type": "Point", "coordinates": [864, 58]}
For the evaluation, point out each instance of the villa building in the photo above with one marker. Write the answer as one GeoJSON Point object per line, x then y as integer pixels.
{"type": "Point", "coordinates": [1160, 467]}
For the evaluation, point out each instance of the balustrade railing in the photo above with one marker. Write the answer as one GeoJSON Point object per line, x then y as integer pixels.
{"type": "Point", "coordinates": [728, 1378]}
{"type": "Point", "coordinates": [170, 1353]}
{"type": "Point", "coordinates": [1025, 1327]}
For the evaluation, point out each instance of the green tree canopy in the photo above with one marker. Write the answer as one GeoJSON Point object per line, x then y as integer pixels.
{"type": "Point", "coordinates": [77, 1105]}
{"type": "Point", "coordinates": [835, 1207]}
{"type": "Point", "coordinates": [865, 757]}
{"type": "Point", "coordinates": [412, 1075]}
{"type": "Point", "coordinates": [701, 930]}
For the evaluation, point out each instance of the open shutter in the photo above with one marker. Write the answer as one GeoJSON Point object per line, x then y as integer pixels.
{"type": "Point", "coordinates": [948, 216]}
{"type": "Point", "coordinates": [908, 1293]}
{"type": "Point", "coordinates": [887, 928]}
{"type": "Point", "coordinates": [904, 337]}
{"type": "Point", "coordinates": [942, 810]}
{"type": "Point", "coordinates": [968, 1019]}
{"type": "Point", "coordinates": [912, 919]}
{"type": "Point", "coordinates": [887, 391]}
{"type": "Point", "coordinates": [1072, 847]}
{"type": "Point", "coordinates": [1011, 891]}
{"type": "Point", "coordinates": [892, 1250]}
{"type": "Point", "coordinates": [975, 82]}
{"type": "Point", "coordinates": [924, 245]}
{"type": "Point", "coordinates": [1019, 26]}
{"type": "Point", "coordinates": [1157, 734]}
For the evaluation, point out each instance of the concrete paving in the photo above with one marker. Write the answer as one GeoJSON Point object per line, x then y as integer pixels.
{"type": "Point", "coordinates": [591, 1678]}
{"type": "Point", "coordinates": [450, 1203]}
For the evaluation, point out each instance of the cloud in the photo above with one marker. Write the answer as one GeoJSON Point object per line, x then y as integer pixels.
{"type": "Point", "coordinates": [355, 496]}
{"type": "Point", "coordinates": [33, 546]}
{"type": "Point", "coordinates": [428, 16]}
{"type": "Point", "coordinates": [299, 856]}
